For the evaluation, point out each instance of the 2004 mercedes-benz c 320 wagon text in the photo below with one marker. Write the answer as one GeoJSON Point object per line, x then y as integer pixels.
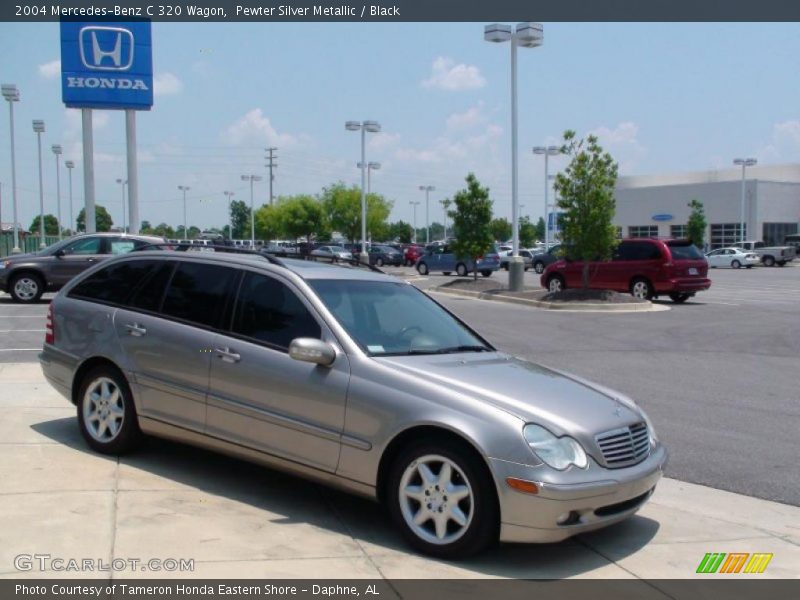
{"type": "Point", "coordinates": [353, 378]}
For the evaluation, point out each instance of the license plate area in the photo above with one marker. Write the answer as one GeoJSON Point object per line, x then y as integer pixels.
{"type": "Point", "coordinates": [692, 271]}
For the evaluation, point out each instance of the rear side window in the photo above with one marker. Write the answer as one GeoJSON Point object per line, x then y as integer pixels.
{"type": "Point", "coordinates": [637, 251]}
{"type": "Point", "coordinates": [686, 252]}
{"type": "Point", "coordinates": [268, 311]}
{"type": "Point", "coordinates": [151, 290]}
{"type": "Point", "coordinates": [115, 283]}
{"type": "Point", "coordinates": [198, 293]}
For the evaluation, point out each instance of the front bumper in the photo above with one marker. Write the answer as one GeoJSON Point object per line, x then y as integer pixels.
{"type": "Point", "coordinates": [605, 497]}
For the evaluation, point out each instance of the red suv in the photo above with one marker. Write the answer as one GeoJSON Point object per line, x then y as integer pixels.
{"type": "Point", "coordinates": [647, 268]}
{"type": "Point", "coordinates": [411, 254]}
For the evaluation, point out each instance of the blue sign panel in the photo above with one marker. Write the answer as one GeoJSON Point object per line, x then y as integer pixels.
{"type": "Point", "coordinates": [662, 217]}
{"type": "Point", "coordinates": [106, 64]}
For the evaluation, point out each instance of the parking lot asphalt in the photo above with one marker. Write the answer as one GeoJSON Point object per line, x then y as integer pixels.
{"type": "Point", "coordinates": [21, 329]}
{"type": "Point", "coordinates": [234, 519]}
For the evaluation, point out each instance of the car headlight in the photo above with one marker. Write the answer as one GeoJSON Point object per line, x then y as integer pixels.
{"type": "Point", "coordinates": [651, 431]}
{"type": "Point", "coordinates": [556, 452]}
{"type": "Point", "coordinates": [4, 264]}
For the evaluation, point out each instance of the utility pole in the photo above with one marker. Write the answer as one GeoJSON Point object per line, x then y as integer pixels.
{"type": "Point", "coordinates": [271, 165]}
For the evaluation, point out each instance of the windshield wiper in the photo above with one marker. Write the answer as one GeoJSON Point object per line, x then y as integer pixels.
{"type": "Point", "coordinates": [452, 350]}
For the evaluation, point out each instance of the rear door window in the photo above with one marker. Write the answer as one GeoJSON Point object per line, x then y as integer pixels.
{"type": "Point", "coordinates": [114, 284]}
{"type": "Point", "coordinates": [198, 293]}
{"type": "Point", "coordinates": [151, 291]}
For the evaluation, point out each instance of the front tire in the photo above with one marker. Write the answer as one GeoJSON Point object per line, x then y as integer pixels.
{"type": "Point", "coordinates": [486, 273]}
{"type": "Point", "coordinates": [461, 270]}
{"type": "Point", "coordinates": [443, 500]}
{"type": "Point", "coordinates": [379, 262]}
{"type": "Point", "coordinates": [556, 283]}
{"type": "Point", "coordinates": [769, 261]}
{"type": "Point", "coordinates": [422, 268]}
{"type": "Point", "coordinates": [736, 265]}
{"type": "Point", "coordinates": [641, 289]}
{"type": "Point", "coordinates": [26, 288]}
{"type": "Point", "coordinates": [538, 266]}
{"type": "Point", "coordinates": [106, 413]}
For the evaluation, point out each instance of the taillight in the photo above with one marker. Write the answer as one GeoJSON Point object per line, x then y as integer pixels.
{"type": "Point", "coordinates": [49, 328]}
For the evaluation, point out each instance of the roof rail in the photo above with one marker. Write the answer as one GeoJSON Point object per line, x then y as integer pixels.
{"type": "Point", "coordinates": [185, 247]}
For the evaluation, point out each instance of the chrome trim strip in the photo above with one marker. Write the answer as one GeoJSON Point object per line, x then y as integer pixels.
{"type": "Point", "coordinates": [171, 388]}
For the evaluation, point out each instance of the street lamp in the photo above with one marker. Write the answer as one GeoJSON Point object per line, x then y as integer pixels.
{"type": "Point", "coordinates": [371, 166]}
{"type": "Point", "coordinates": [527, 35]}
{"type": "Point", "coordinates": [252, 179]}
{"type": "Point", "coordinates": [56, 148]}
{"type": "Point", "coordinates": [547, 151]}
{"type": "Point", "coordinates": [123, 183]}
{"type": "Point", "coordinates": [415, 203]}
{"type": "Point", "coordinates": [744, 162]}
{"type": "Point", "coordinates": [445, 205]}
{"type": "Point", "coordinates": [230, 213]}
{"type": "Point", "coordinates": [427, 189]}
{"type": "Point", "coordinates": [11, 93]}
{"type": "Point", "coordinates": [184, 189]}
{"type": "Point", "coordinates": [38, 128]}
{"type": "Point", "coordinates": [70, 165]}
{"type": "Point", "coordinates": [363, 127]}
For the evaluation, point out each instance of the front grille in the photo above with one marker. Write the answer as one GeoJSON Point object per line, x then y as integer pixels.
{"type": "Point", "coordinates": [625, 446]}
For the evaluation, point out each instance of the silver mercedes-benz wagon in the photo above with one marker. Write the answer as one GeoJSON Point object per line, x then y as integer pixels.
{"type": "Point", "coordinates": [355, 379]}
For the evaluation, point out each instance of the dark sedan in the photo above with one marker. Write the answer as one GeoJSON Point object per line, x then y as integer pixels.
{"type": "Point", "coordinates": [385, 255]}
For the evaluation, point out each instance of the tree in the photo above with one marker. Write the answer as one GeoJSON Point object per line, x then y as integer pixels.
{"type": "Point", "coordinates": [164, 230]}
{"type": "Point", "coordinates": [102, 220]}
{"type": "Point", "coordinates": [240, 218]}
{"type": "Point", "coordinates": [540, 233]}
{"type": "Point", "coordinates": [586, 195]}
{"type": "Point", "coordinates": [50, 225]}
{"type": "Point", "coordinates": [501, 229]}
{"type": "Point", "coordinates": [268, 225]}
{"type": "Point", "coordinates": [401, 232]}
{"type": "Point", "coordinates": [145, 227]}
{"type": "Point", "coordinates": [696, 225]}
{"type": "Point", "coordinates": [343, 210]}
{"type": "Point", "coordinates": [527, 232]}
{"type": "Point", "coordinates": [471, 221]}
{"type": "Point", "coordinates": [301, 216]}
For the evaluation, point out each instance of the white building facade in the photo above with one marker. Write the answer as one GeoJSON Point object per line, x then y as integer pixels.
{"type": "Point", "coordinates": [657, 205]}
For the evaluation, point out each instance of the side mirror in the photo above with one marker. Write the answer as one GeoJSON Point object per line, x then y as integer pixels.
{"type": "Point", "coordinates": [59, 253]}
{"type": "Point", "coordinates": [312, 350]}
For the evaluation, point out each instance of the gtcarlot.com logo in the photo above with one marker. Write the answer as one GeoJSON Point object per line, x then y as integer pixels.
{"type": "Point", "coordinates": [734, 562]}
{"type": "Point", "coordinates": [47, 562]}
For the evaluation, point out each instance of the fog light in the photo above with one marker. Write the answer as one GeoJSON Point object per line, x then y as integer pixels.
{"type": "Point", "coordinates": [568, 518]}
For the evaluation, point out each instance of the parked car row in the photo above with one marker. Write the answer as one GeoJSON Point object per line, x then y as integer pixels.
{"type": "Point", "coordinates": [443, 259]}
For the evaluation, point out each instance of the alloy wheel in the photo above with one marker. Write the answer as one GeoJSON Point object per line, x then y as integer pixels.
{"type": "Point", "coordinates": [103, 409]}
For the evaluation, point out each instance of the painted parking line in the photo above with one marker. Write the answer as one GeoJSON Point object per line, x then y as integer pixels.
{"type": "Point", "coordinates": [20, 349]}
{"type": "Point", "coordinates": [21, 330]}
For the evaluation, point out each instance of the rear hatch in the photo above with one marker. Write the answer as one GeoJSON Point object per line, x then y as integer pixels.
{"type": "Point", "coordinates": [687, 259]}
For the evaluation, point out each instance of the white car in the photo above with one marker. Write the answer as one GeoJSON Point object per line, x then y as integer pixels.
{"type": "Point", "coordinates": [336, 252]}
{"type": "Point", "coordinates": [734, 258]}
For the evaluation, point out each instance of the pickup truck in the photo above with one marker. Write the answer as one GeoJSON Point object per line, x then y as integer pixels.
{"type": "Point", "coordinates": [770, 256]}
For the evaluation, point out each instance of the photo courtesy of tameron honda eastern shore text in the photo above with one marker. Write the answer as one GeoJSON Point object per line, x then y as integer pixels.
{"type": "Point", "coordinates": [350, 377]}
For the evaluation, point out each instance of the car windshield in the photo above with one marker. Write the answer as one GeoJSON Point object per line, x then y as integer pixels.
{"type": "Point", "coordinates": [388, 318]}
{"type": "Point", "coordinates": [684, 252]}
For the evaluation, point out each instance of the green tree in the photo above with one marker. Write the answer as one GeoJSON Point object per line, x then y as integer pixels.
{"type": "Point", "coordinates": [540, 233]}
{"type": "Point", "coordinates": [696, 225]}
{"type": "Point", "coordinates": [401, 232]}
{"type": "Point", "coordinates": [343, 210]}
{"type": "Point", "coordinates": [164, 230]}
{"type": "Point", "coordinates": [50, 225]}
{"type": "Point", "coordinates": [102, 220]}
{"type": "Point", "coordinates": [268, 225]}
{"type": "Point", "coordinates": [240, 218]}
{"type": "Point", "coordinates": [527, 232]}
{"type": "Point", "coordinates": [585, 192]}
{"type": "Point", "coordinates": [471, 221]}
{"type": "Point", "coordinates": [501, 229]}
{"type": "Point", "coordinates": [145, 227]}
{"type": "Point", "coordinates": [301, 216]}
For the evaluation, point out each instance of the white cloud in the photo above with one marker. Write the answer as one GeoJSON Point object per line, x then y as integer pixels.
{"type": "Point", "coordinates": [784, 146]}
{"type": "Point", "coordinates": [383, 141]}
{"type": "Point", "coordinates": [50, 70]}
{"type": "Point", "coordinates": [166, 84]}
{"type": "Point", "coordinates": [447, 75]}
{"type": "Point", "coordinates": [622, 142]}
{"type": "Point", "coordinates": [255, 128]}
{"type": "Point", "coordinates": [448, 148]}
{"type": "Point", "coordinates": [469, 118]}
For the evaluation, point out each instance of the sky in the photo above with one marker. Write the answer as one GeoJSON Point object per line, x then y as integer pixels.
{"type": "Point", "coordinates": [662, 97]}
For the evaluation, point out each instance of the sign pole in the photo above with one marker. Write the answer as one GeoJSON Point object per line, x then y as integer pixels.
{"type": "Point", "coordinates": [88, 171]}
{"type": "Point", "coordinates": [133, 177]}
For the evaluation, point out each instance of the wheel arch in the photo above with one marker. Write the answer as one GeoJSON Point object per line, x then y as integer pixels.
{"type": "Point", "coordinates": [86, 366]}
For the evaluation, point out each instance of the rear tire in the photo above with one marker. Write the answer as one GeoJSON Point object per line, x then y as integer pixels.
{"type": "Point", "coordinates": [768, 261]}
{"type": "Point", "coordinates": [442, 499]}
{"type": "Point", "coordinates": [486, 273]}
{"type": "Point", "coordinates": [446, 273]}
{"type": "Point", "coordinates": [379, 262]}
{"type": "Point", "coordinates": [461, 270]}
{"type": "Point", "coordinates": [736, 265]}
{"type": "Point", "coordinates": [422, 268]}
{"type": "Point", "coordinates": [679, 298]}
{"type": "Point", "coordinates": [26, 288]}
{"type": "Point", "coordinates": [538, 266]}
{"type": "Point", "coordinates": [106, 413]}
{"type": "Point", "coordinates": [641, 288]}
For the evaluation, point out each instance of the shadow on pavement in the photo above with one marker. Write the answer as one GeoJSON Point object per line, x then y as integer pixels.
{"type": "Point", "coordinates": [361, 519]}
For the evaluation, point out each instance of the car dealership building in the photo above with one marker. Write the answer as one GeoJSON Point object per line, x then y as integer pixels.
{"type": "Point", "coordinates": [657, 205]}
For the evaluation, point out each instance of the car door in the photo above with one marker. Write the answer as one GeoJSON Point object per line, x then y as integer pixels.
{"type": "Point", "coordinates": [75, 258]}
{"type": "Point", "coordinates": [446, 259]}
{"type": "Point", "coordinates": [262, 398]}
{"type": "Point", "coordinates": [167, 332]}
{"type": "Point", "coordinates": [713, 258]}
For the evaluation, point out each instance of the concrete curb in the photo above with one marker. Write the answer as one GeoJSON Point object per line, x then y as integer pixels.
{"type": "Point", "coordinates": [562, 307]}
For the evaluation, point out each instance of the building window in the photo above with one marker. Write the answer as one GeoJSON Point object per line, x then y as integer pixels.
{"type": "Point", "coordinates": [774, 233]}
{"type": "Point", "coordinates": [643, 231]}
{"type": "Point", "coordinates": [726, 234]}
{"type": "Point", "coordinates": [678, 231]}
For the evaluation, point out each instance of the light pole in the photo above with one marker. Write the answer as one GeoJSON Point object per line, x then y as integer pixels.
{"type": "Point", "coordinates": [371, 166]}
{"type": "Point", "coordinates": [414, 204]}
{"type": "Point", "coordinates": [11, 93]}
{"type": "Point", "coordinates": [230, 213]}
{"type": "Point", "coordinates": [123, 183]}
{"type": "Point", "coordinates": [70, 165]}
{"type": "Point", "coordinates": [57, 152]}
{"type": "Point", "coordinates": [445, 205]}
{"type": "Point", "coordinates": [744, 162]}
{"type": "Point", "coordinates": [427, 189]}
{"type": "Point", "coordinates": [252, 179]}
{"type": "Point", "coordinates": [547, 151]}
{"type": "Point", "coordinates": [38, 128]}
{"type": "Point", "coordinates": [527, 35]}
{"type": "Point", "coordinates": [556, 231]}
{"type": "Point", "coordinates": [363, 127]}
{"type": "Point", "coordinates": [184, 189]}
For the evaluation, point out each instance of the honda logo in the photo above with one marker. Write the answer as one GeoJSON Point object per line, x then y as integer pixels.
{"type": "Point", "coordinates": [106, 48]}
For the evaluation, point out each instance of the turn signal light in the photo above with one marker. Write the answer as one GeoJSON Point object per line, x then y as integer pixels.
{"type": "Point", "coordinates": [526, 487]}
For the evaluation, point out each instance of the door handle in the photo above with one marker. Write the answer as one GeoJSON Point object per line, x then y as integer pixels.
{"type": "Point", "coordinates": [135, 329]}
{"type": "Point", "coordinates": [227, 355]}
{"type": "Point", "coordinates": [91, 260]}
